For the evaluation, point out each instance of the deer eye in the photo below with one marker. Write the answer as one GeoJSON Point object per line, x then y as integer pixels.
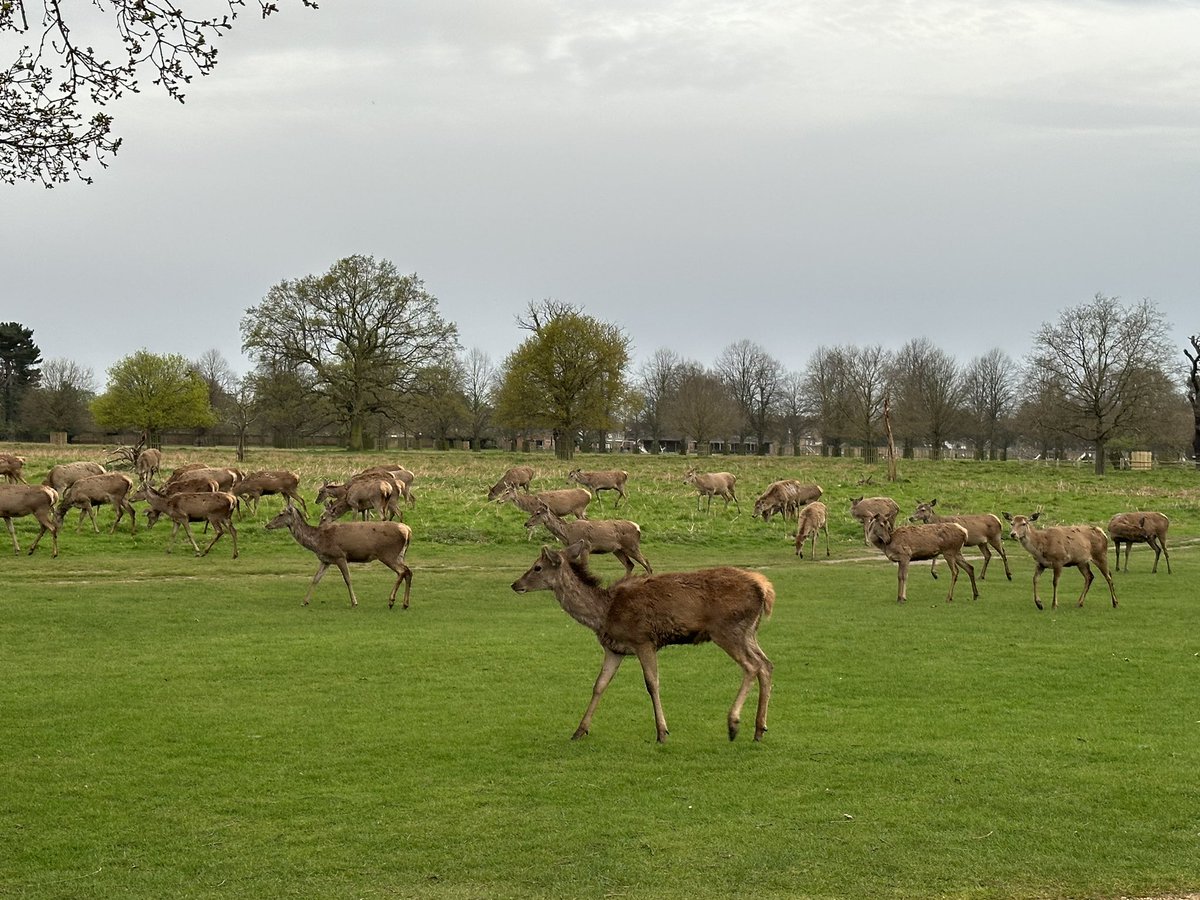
{"type": "Point", "coordinates": [538, 567]}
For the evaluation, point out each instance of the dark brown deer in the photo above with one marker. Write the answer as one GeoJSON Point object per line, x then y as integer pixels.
{"type": "Point", "coordinates": [340, 543]}
{"type": "Point", "coordinates": [639, 615]}
{"type": "Point", "coordinates": [1060, 546]}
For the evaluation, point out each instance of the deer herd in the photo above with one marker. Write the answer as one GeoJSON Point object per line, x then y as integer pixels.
{"type": "Point", "coordinates": [637, 614]}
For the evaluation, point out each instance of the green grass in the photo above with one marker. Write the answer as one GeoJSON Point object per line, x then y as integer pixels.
{"type": "Point", "coordinates": [181, 727]}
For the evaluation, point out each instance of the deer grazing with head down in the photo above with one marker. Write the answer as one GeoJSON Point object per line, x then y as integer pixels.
{"type": "Point", "coordinates": [785, 497]}
{"type": "Point", "coordinates": [517, 477]}
{"type": "Point", "coordinates": [37, 500]}
{"type": "Point", "coordinates": [1060, 546]}
{"type": "Point", "coordinates": [565, 502]}
{"type": "Point", "coordinates": [639, 615]}
{"type": "Point", "coordinates": [813, 518]}
{"type": "Point", "coordinates": [1140, 528]}
{"type": "Point", "coordinates": [340, 543]}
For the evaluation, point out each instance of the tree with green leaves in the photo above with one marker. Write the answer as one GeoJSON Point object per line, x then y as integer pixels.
{"type": "Point", "coordinates": [150, 393]}
{"type": "Point", "coordinates": [567, 376]}
{"type": "Point", "coordinates": [19, 360]}
{"type": "Point", "coordinates": [55, 90]}
{"type": "Point", "coordinates": [1104, 364]}
{"type": "Point", "coordinates": [363, 331]}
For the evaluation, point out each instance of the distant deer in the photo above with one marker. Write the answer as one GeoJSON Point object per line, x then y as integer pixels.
{"type": "Point", "coordinates": [613, 480]}
{"type": "Point", "coordinates": [620, 537]}
{"type": "Point", "coordinates": [785, 497]}
{"type": "Point", "coordinates": [1140, 528]}
{"type": "Point", "coordinates": [718, 484]}
{"type": "Point", "coordinates": [641, 614]}
{"type": "Point", "coordinates": [87, 493]}
{"type": "Point", "coordinates": [214, 508]}
{"type": "Point", "coordinates": [517, 477]}
{"type": "Point", "coordinates": [10, 468]}
{"type": "Point", "coordinates": [1060, 546]}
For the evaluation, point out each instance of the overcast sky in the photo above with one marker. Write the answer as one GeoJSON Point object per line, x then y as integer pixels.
{"type": "Point", "coordinates": [797, 173]}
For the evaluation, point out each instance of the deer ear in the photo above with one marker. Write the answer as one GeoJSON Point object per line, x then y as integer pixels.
{"type": "Point", "coordinates": [1007, 516]}
{"type": "Point", "coordinates": [933, 502]}
{"type": "Point", "coordinates": [577, 551]}
{"type": "Point", "coordinates": [551, 556]}
{"type": "Point", "coordinates": [1035, 516]}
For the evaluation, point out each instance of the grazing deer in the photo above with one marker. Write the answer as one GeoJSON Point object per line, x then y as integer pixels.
{"type": "Point", "coordinates": [402, 477]}
{"type": "Point", "coordinates": [566, 502]}
{"type": "Point", "coordinates": [613, 480]}
{"type": "Point", "coordinates": [983, 531]}
{"type": "Point", "coordinates": [340, 543]}
{"type": "Point", "coordinates": [64, 475]}
{"type": "Point", "coordinates": [37, 500]}
{"type": "Point", "coordinates": [813, 518]}
{"type": "Point", "coordinates": [212, 507]}
{"type": "Point", "coordinates": [256, 485]}
{"type": "Point", "coordinates": [641, 614]}
{"type": "Point", "coordinates": [1140, 528]}
{"type": "Point", "coordinates": [362, 494]}
{"type": "Point", "coordinates": [719, 484]}
{"type": "Point", "coordinates": [863, 508]}
{"type": "Point", "coordinates": [95, 490]}
{"type": "Point", "coordinates": [1059, 546]}
{"type": "Point", "coordinates": [917, 542]}
{"type": "Point", "coordinates": [620, 537]}
{"type": "Point", "coordinates": [517, 477]}
{"type": "Point", "coordinates": [785, 497]}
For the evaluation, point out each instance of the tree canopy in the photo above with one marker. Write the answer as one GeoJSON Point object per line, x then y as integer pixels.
{"type": "Point", "coordinates": [19, 360]}
{"type": "Point", "coordinates": [54, 93]}
{"type": "Point", "coordinates": [151, 392]}
{"type": "Point", "coordinates": [568, 376]}
{"type": "Point", "coordinates": [362, 330]}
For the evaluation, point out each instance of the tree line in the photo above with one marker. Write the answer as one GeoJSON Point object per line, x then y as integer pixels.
{"type": "Point", "coordinates": [362, 351]}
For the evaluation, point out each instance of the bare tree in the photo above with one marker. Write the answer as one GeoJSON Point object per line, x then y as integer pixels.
{"type": "Point", "coordinates": [826, 387]}
{"type": "Point", "coordinates": [990, 399]}
{"type": "Point", "coordinates": [755, 379]}
{"type": "Point", "coordinates": [60, 401]}
{"type": "Point", "coordinates": [795, 417]}
{"type": "Point", "coordinates": [928, 390]}
{"type": "Point", "coordinates": [479, 382]}
{"type": "Point", "coordinates": [1193, 394]}
{"type": "Point", "coordinates": [54, 92]}
{"type": "Point", "coordinates": [658, 381]}
{"type": "Point", "coordinates": [866, 386]}
{"type": "Point", "coordinates": [702, 408]}
{"type": "Point", "coordinates": [1107, 365]}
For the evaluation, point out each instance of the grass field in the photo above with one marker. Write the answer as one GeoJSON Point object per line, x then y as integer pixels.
{"type": "Point", "coordinates": [182, 727]}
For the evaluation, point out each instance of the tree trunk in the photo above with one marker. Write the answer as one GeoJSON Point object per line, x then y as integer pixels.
{"type": "Point", "coordinates": [356, 434]}
{"type": "Point", "coordinates": [1100, 461]}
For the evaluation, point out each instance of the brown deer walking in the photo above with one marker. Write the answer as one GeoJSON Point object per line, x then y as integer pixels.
{"type": "Point", "coordinates": [641, 614]}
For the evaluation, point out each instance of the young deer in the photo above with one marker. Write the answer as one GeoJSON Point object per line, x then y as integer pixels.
{"type": "Point", "coordinates": [641, 614]}
{"type": "Point", "coordinates": [812, 519]}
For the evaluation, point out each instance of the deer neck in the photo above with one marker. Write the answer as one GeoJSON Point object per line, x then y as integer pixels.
{"type": "Point", "coordinates": [585, 603]}
{"type": "Point", "coordinates": [557, 527]}
{"type": "Point", "coordinates": [306, 535]}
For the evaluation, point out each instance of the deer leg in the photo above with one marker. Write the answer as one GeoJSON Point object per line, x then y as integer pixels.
{"type": "Point", "coordinates": [987, 558]}
{"type": "Point", "coordinates": [999, 545]}
{"type": "Point", "coordinates": [1102, 565]}
{"type": "Point", "coordinates": [1163, 543]}
{"type": "Point", "coordinates": [824, 528]}
{"type": "Point", "coordinates": [316, 579]}
{"type": "Point", "coordinates": [1085, 570]}
{"type": "Point", "coordinates": [1118, 543]}
{"type": "Point", "coordinates": [188, 531]}
{"type": "Point", "coordinates": [902, 581]}
{"type": "Point", "coordinates": [12, 533]}
{"type": "Point", "coordinates": [1153, 542]}
{"type": "Point", "coordinates": [648, 657]}
{"type": "Point", "coordinates": [933, 567]}
{"type": "Point", "coordinates": [404, 573]}
{"type": "Point", "coordinates": [625, 561]}
{"type": "Point", "coordinates": [1057, 574]}
{"type": "Point", "coordinates": [345, 569]}
{"type": "Point", "coordinates": [1037, 570]}
{"type": "Point", "coordinates": [48, 524]}
{"type": "Point", "coordinates": [218, 529]}
{"type": "Point", "coordinates": [608, 668]}
{"type": "Point", "coordinates": [765, 670]}
{"type": "Point", "coordinates": [736, 505]}
{"type": "Point", "coordinates": [952, 562]}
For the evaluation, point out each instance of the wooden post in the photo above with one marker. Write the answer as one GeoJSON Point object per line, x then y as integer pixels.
{"type": "Point", "coordinates": [887, 427]}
